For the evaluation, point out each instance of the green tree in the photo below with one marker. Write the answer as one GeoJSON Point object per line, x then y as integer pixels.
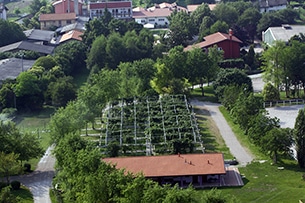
{"type": "Point", "coordinates": [181, 28]}
{"type": "Point", "coordinates": [260, 124]}
{"type": "Point", "coordinates": [11, 32]}
{"type": "Point", "coordinates": [246, 107]}
{"type": "Point", "coordinates": [28, 91]}
{"type": "Point", "coordinates": [277, 141]}
{"type": "Point", "coordinates": [7, 196]}
{"type": "Point", "coordinates": [8, 165]}
{"type": "Point", "coordinates": [62, 91]}
{"type": "Point", "coordinates": [75, 53]}
{"type": "Point", "coordinates": [226, 13]}
{"type": "Point", "coordinates": [275, 63]}
{"type": "Point", "coordinates": [198, 64]}
{"type": "Point", "coordinates": [47, 62]}
{"type": "Point", "coordinates": [299, 138]}
{"type": "Point", "coordinates": [36, 5]}
{"type": "Point", "coordinates": [270, 93]}
{"type": "Point", "coordinates": [199, 14]}
{"type": "Point", "coordinates": [219, 26]}
{"type": "Point", "coordinates": [115, 50]}
{"type": "Point", "coordinates": [97, 55]}
{"type": "Point", "coordinates": [231, 76]}
{"type": "Point", "coordinates": [249, 20]}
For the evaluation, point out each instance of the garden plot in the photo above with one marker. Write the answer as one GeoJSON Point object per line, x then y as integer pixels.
{"type": "Point", "coordinates": [151, 125]}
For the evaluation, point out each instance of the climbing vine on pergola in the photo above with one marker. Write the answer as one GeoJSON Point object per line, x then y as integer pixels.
{"type": "Point", "coordinates": [149, 125]}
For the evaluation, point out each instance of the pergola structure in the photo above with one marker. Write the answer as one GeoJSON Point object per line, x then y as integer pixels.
{"type": "Point", "coordinates": [149, 124]}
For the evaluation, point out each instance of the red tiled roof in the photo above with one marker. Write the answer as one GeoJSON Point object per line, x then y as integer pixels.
{"type": "Point", "coordinates": [172, 165]}
{"type": "Point", "coordinates": [213, 39]}
{"type": "Point", "coordinates": [191, 8]}
{"type": "Point", "coordinates": [73, 34]}
{"type": "Point", "coordinates": [110, 4]}
{"type": "Point", "coordinates": [159, 10]}
{"type": "Point", "coordinates": [57, 16]}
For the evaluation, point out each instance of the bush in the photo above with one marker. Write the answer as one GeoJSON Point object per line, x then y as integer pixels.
{"type": "Point", "coordinates": [27, 167]}
{"type": "Point", "coordinates": [15, 185]}
{"type": "Point", "coordinates": [3, 185]}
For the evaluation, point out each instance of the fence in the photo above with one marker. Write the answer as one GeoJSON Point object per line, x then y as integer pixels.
{"type": "Point", "coordinates": [284, 103]}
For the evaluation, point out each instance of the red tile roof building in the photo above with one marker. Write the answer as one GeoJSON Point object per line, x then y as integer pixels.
{"type": "Point", "coordinates": [156, 15]}
{"type": "Point", "coordinates": [71, 35]}
{"type": "Point", "coordinates": [198, 169]}
{"type": "Point", "coordinates": [118, 9]}
{"type": "Point", "coordinates": [227, 42]}
{"type": "Point", "coordinates": [57, 20]}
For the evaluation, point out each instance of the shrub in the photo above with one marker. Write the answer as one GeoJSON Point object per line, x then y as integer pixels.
{"type": "Point", "coordinates": [15, 185]}
{"type": "Point", "coordinates": [27, 167]}
{"type": "Point", "coordinates": [3, 185]}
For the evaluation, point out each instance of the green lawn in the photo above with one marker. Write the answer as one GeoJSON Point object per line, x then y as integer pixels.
{"type": "Point", "coordinates": [208, 94]}
{"type": "Point", "coordinates": [264, 182]}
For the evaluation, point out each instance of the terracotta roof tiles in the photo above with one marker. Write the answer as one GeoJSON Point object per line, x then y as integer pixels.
{"type": "Point", "coordinates": [172, 165]}
{"type": "Point", "coordinates": [213, 39]}
{"type": "Point", "coordinates": [57, 16]}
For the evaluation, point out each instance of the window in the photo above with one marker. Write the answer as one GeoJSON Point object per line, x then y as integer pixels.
{"type": "Point", "coordinates": [68, 21]}
{"type": "Point", "coordinates": [161, 19]}
{"type": "Point", "coordinates": [151, 20]}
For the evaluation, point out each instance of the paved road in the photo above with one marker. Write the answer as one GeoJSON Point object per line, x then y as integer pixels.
{"type": "Point", "coordinates": [40, 181]}
{"type": "Point", "coordinates": [239, 152]}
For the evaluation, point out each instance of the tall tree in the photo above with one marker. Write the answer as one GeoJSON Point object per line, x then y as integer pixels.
{"type": "Point", "coordinates": [299, 137]}
{"type": "Point", "coordinates": [277, 141]}
{"type": "Point", "coordinates": [10, 32]}
{"type": "Point", "coordinates": [181, 29]}
{"type": "Point", "coordinates": [8, 165]}
{"type": "Point", "coordinates": [226, 13]}
{"type": "Point", "coordinates": [275, 63]}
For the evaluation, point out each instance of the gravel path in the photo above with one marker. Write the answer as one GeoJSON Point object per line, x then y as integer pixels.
{"type": "Point", "coordinates": [239, 152]}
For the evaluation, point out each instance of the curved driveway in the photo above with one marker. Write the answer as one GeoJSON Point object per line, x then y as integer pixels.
{"type": "Point", "coordinates": [239, 152]}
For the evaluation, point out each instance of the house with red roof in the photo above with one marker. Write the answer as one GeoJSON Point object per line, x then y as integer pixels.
{"type": "Point", "coordinates": [118, 9]}
{"type": "Point", "coordinates": [157, 14]}
{"type": "Point", "coordinates": [56, 20]}
{"type": "Point", "coordinates": [71, 35]}
{"type": "Point", "coordinates": [226, 42]}
{"type": "Point", "coordinates": [200, 170]}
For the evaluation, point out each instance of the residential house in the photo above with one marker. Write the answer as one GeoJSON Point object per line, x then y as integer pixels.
{"type": "Point", "coordinates": [226, 42]}
{"type": "Point", "coordinates": [283, 33]}
{"type": "Point", "coordinates": [50, 20]}
{"type": "Point", "coordinates": [3, 11]}
{"type": "Point", "coordinates": [71, 35]}
{"type": "Point", "coordinates": [44, 37]}
{"type": "Point", "coordinates": [10, 68]}
{"type": "Point", "coordinates": [118, 9]}
{"type": "Point", "coordinates": [156, 15]}
{"type": "Point", "coordinates": [29, 46]}
{"type": "Point", "coordinates": [68, 6]}
{"type": "Point", "coordinates": [200, 170]}
{"type": "Point", "coordinates": [272, 5]}
{"type": "Point", "coordinates": [192, 7]}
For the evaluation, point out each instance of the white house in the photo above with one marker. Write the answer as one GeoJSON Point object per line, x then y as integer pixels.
{"type": "Point", "coordinates": [156, 15]}
{"type": "Point", "coordinates": [3, 11]}
{"type": "Point", "coordinates": [272, 5]}
{"type": "Point", "coordinates": [282, 33]}
{"type": "Point", "coordinates": [118, 9]}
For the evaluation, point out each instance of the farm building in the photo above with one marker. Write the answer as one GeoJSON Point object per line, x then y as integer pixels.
{"type": "Point", "coordinates": [200, 170]}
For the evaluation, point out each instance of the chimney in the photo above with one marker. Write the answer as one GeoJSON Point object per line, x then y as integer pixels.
{"type": "Point", "coordinates": [76, 7]}
{"type": "Point", "coordinates": [230, 33]}
{"type": "Point", "coordinates": [178, 154]}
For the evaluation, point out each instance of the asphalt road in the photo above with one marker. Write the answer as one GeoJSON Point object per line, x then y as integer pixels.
{"type": "Point", "coordinates": [239, 152]}
{"type": "Point", "coordinates": [40, 181]}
